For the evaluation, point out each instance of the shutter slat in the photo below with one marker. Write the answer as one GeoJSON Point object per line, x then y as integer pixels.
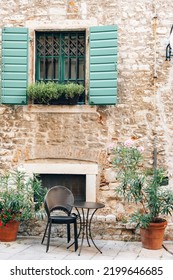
{"type": "Point", "coordinates": [104, 100]}
{"type": "Point", "coordinates": [14, 45]}
{"type": "Point", "coordinates": [106, 43]}
{"type": "Point", "coordinates": [16, 91]}
{"type": "Point", "coordinates": [102, 75]}
{"type": "Point", "coordinates": [102, 84]}
{"type": "Point", "coordinates": [13, 68]}
{"type": "Point", "coordinates": [15, 60]}
{"type": "Point", "coordinates": [14, 84]}
{"type": "Point", "coordinates": [14, 37]}
{"type": "Point", "coordinates": [13, 100]}
{"type": "Point", "coordinates": [102, 59]}
{"type": "Point", "coordinates": [103, 65]}
{"type": "Point", "coordinates": [14, 76]}
{"type": "Point", "coordinates": [102, 51]}
{"type": "Point", "coordinates": [17, 53]}
{"type": "Point", "coordinates": [13, 30]}
{"type": "Point", "coordinates": [15, 65]}
{"type": "Point", "coordinates": [103, 91]}
{"type": "Point", "coordinates": [106, 28]}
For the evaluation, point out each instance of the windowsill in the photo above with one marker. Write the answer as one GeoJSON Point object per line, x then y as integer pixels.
{"type": "Point", "coordinates": [68, 109]}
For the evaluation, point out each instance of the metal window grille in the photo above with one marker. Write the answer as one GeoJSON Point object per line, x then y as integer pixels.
{"type": "Point", "coordinates": [60, 57]}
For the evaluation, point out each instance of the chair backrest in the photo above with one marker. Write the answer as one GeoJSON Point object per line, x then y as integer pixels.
{"type": "Point", "coordinates": [59, 198]}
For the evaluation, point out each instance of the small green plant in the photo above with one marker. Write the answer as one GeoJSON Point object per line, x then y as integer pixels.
{"type": "Point", "coordinates": [71, 90]}
{"type": "Point", "coordinates": [44, 93]}
{"type": "Point", "coordinates": [20, 199]}
{"type": "Point", "coordinates": [140, 187]}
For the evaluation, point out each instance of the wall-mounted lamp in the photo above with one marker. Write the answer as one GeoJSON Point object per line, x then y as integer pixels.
{"type": "Point", "coordinates": [169, 47]}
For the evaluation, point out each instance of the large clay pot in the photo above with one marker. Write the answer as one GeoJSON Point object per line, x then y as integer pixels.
{"type": "Point", "coordinates": [152, 237]}
{"type": "Point", "coordinates": [9, 232]}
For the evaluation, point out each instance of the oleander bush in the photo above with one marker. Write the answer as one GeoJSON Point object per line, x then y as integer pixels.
{"type": "Point", "coordinates": [136, 185]}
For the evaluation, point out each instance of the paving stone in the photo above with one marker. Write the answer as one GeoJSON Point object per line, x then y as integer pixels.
{"type": "Point", "coordinates": [31, 249]}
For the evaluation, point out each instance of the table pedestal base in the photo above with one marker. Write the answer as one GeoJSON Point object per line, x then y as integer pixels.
{"type": "Point", "coordinates": [85, 229]}
{"type": "Point", "coordinates": [86, 221]}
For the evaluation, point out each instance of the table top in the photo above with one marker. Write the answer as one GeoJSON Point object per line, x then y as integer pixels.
{"type": "Point", "coordinates": [88, 205]}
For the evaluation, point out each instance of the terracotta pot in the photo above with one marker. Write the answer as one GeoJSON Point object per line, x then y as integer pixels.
{"type": "Point", "coordinates": [9, 233]}
{"type": "Point", "coordinates": [152, 237]}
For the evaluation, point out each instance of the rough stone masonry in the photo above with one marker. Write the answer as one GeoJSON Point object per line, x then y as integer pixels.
{"type": "Point", "coordinates": [35, 133]}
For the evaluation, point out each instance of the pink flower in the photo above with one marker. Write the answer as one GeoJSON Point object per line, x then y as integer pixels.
{"type": "Point", "coordinates": [129, 143]}
{"type": "Point", "coordinates": [140, 149]}
{"type": "Point", "coordinates": [111, 146]}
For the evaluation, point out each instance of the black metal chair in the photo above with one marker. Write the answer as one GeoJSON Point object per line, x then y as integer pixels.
{"type": "Point", "coordinates": [60, 198]}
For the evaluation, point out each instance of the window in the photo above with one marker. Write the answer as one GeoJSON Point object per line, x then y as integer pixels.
{"type": "Point", "coordinates": [60, 57]}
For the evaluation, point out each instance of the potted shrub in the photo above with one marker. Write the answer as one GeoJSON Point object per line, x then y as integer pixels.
{"type": "Point", "coordinates": [153, 199]}
{"type": "Point", "coordinates": [55, 93]}
{"type": "Point", "coordinates": [20, 200]}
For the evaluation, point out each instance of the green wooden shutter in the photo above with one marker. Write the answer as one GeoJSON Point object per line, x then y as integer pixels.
{"type": "Point", "coordinates": [14, 65]}
{"type": "Point", "coordinates": [103, 65]}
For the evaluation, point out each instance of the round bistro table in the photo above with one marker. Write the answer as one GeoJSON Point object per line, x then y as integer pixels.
{"type": "Point", "coordinates": [86, 219]}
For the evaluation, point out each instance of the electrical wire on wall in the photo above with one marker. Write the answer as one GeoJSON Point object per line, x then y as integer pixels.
{"type": "Point", "coordinates": [154, 85]}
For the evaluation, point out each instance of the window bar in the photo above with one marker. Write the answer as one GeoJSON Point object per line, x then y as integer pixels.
{"type": "Point", "coordinates": [60, 64]}
{"type": "Point", "coordinates": [46, 68]}
{"type": "Point", "coordinates": [44, 57]}
{"type": "Point", "coordinates": [52, 60]}
{"type": "Point", "coordinates": [69, 60]}
{"type": "Point", "coordinates": [77, 66]}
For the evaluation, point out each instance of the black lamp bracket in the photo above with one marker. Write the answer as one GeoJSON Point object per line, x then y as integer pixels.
{"type": "Point", "coordinates": [168, 52]}
{"type": "Point", "coordinates": [168, 47]}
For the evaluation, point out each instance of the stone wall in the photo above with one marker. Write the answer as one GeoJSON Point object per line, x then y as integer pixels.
{"type": "Point", "coordinates": [83, 133]}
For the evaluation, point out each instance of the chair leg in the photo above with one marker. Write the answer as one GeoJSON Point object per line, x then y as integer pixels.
{"type": "Point", "coordinates": [75, 236]}
{"type": "Point", "coordinates": [68, 233]}
{"type": "Point", "coordinates": [44, 233]}
{"type": "Point", "coordinates": [48, 238]}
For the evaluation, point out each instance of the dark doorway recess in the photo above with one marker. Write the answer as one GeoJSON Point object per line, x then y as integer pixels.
{"type": "Point", "coordinates": [76, 183]}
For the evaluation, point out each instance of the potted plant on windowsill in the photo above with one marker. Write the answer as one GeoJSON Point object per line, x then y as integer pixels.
{"type": "Point", "coordinates": [153, 200]}
{"type": "Point", "coordinates": [52, 93]}
{"type": "Point", "coordinates": [20, 200]}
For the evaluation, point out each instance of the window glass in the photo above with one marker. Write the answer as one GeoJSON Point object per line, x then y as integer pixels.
{"type": "Point", "coordinates": [81, 72]}
{"type": "Point", "coordinates": [73, 74]}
